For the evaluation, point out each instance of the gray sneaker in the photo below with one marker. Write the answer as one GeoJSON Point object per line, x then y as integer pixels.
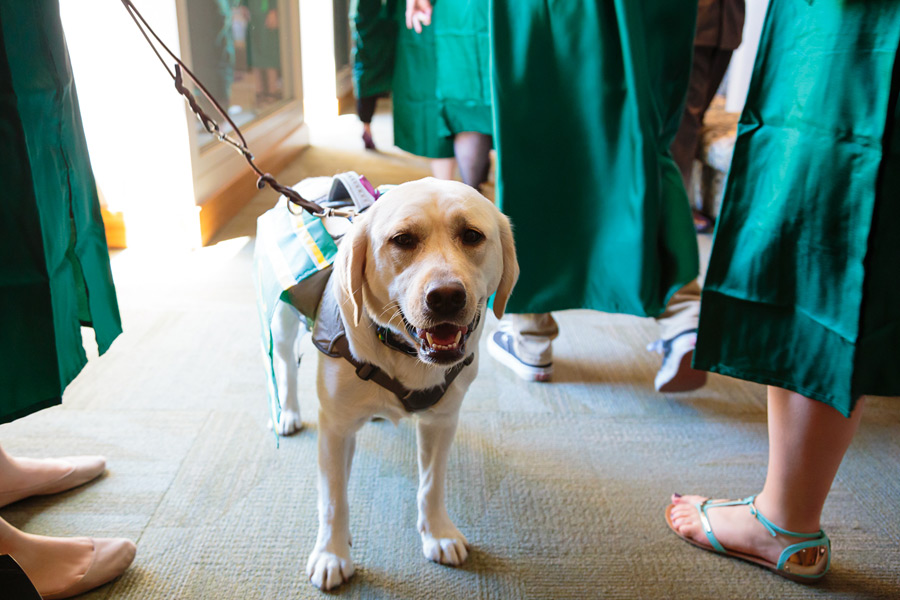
{"type": "Point", "coordinates": [676, 374]}
{"type": "Point", "coordinates": [500, 346]}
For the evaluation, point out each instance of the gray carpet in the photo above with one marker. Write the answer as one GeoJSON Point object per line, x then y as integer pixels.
{"type": "Point", "coordinates": [559, 487]}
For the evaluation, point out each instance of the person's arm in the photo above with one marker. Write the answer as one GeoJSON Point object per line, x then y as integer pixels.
{"type": "Point", "coordinates": [418, 13]}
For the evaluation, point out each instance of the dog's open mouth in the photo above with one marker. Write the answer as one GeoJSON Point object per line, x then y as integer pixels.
{"type": "Point", "coordinates": [444, 343]}
{"type": "Point", "coordinates": [446, 337]}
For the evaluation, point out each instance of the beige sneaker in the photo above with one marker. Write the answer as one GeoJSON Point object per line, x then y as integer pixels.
{"type": "Point", "coordinates": [500, 346]}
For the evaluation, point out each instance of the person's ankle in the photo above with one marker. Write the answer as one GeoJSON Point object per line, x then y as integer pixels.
{"type": "Point", "coordinates": [10, 538]}
{"type": "Point", "coordinates": [786, 516]}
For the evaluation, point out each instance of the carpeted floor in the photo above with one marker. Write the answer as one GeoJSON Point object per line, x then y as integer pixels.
{"type": "Point", "coordinates": [559, 487]}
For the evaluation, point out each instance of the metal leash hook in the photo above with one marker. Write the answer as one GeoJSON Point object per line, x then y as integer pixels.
{"type": "Point", "coordinates": [212, 127]}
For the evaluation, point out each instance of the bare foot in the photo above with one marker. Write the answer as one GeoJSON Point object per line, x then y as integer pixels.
{"type": "Point", "coordinates": [734, 526]}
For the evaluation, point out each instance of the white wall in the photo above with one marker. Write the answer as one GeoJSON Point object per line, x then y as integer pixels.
{"type": "Point", "coordinates": [317, 51]}
{"type": "Point", "coordinates": [135, 123]}
{"type": "Point", "coordinates": [742, 62]}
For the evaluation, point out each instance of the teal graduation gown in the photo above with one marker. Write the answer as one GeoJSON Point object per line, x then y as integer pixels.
{"type": "Point", "coordinates": [442, 83]}
{"type": "Point", "coordinates": [374, 25]}
{"type": "Point", "coordinates": [54, 262]}
{"type": "Point", "coordinates": [587, 99]}
{"type": "Point", "coordinates": [802, 290]}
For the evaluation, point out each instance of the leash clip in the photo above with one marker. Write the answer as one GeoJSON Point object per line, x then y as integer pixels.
{"type": "Point", "coordinates": [344, 213]}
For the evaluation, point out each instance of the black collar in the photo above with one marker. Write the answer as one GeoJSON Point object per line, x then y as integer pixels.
{"type": "Point", "coordinates": [387, 337]}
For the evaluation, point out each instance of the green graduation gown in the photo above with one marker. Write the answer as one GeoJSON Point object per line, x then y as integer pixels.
{"type": "Point", "coordinates": [54, 262]}
{"type": "Point", "coordinates": [802, 290]}
{"type": "Point", "coordinates": [587, 99]}
{"type": "Point", "coordinates": [442, 82]}
{"type": "Point", "coordinates": [374, 25]}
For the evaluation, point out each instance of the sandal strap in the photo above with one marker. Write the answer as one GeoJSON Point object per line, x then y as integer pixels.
{"type": "Point", "coordinates": [814, 539]}
{"type": "Point", "coordinates": [702, 507]}
{"type": "Point", "coordinates": [773, 528]}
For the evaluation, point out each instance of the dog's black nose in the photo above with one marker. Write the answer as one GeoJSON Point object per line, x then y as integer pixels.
{"type": "Point", "coordinates": [445, 299]}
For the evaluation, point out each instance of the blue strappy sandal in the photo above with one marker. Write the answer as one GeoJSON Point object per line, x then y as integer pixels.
{"type": "Point", "coordinates": [805, 561]}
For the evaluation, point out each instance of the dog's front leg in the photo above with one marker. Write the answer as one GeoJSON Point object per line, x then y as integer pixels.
{"type": "Point", "coordinates": [287, 325]}
{"type": "Point", "coordinates": [441, 541]}
{"type": "Point", "coordinates": [329, 564]}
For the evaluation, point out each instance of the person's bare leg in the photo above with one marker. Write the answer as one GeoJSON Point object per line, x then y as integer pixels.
{"type": "Point", "coordinates": [807, 441]}
{"type": "Point", "coordinates": [442, 168]}
{"type": "Point", "coordinates": [473, 156]}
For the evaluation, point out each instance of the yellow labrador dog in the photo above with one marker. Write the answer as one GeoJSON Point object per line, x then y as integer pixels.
{"type": "Point", "coordinates": [410, 289]}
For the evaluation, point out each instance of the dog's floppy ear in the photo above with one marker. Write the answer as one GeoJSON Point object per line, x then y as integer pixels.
{"type": "Point", "coordinates": [510, 267]}
{"type": "Point", "coordinates": [355, 266]}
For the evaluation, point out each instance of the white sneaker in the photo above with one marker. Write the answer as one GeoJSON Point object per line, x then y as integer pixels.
{"type": "Point", "coordinates": [500, 346]}
{"type": "Point", "coordinates": [676, 374]}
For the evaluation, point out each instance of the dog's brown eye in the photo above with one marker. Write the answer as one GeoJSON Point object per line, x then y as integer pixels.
{"type": "Point", "coordinates": [404, 240]}
{"type": "Point", "coordinates": [472, 236]}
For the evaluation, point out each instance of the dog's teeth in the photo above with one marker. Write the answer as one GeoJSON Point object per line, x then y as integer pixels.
{"type": "Point", "coordinates": [445, 347]}
{"type": "Point", "coordinates": [429, 339]}
{"type": "Point", "coordinates": [458, 336]}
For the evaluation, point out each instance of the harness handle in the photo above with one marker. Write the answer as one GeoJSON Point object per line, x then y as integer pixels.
{"type": "Point", "coordinates": [212, 127]}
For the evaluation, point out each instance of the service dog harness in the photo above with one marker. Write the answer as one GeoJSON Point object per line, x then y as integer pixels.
{"type": "Point", "coordinates": [329, 337]}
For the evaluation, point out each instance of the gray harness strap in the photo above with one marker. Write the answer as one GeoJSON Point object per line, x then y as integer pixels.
{"type": "Point", "coordinates": [329, 337]}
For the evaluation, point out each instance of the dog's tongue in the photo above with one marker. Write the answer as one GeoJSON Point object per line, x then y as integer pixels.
{"type": "Point", "coordinates": [444, 334]}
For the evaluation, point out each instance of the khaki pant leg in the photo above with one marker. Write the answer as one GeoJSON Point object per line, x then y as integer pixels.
{"type": "Point", "coordinates": [682, 312]}
{"type": "Point", "coordinates": [533, 336]}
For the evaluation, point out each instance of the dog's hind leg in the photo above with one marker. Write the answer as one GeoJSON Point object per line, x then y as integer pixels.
{"type": "Point", "coordinates": [442, 542]}
{"type": "Point", "coordinates": [287, 325]}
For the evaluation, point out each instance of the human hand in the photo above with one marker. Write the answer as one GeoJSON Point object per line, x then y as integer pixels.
{"type": "Point", "coordinates": [272, 19]}
{"type": "Point", "coordinates": [418, 13]}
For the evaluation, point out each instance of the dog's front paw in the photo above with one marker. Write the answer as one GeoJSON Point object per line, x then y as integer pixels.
{"type": "Point", "coordinates": [449, 548]}
{"type": "Point", "coordinates": [328, 570]}
{"type": "Point", "coordinates": [288, 424]}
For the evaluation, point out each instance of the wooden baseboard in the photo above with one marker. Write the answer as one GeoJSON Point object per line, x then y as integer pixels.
{"type": "Point", "coordinates": [224, 204]}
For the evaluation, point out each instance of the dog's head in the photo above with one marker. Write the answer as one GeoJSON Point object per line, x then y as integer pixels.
{"type": "Point", "coordinates": [424, 260]}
